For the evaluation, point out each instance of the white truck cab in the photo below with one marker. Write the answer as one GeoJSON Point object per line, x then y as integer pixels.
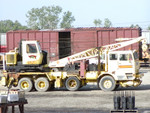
{"type": "Point", "coordinates": [123, 62]}
{"type": "Point", "coordinates": [121, 68]}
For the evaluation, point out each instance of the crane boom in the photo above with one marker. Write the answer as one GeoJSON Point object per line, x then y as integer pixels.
{"type": "Point", "coordinates": [93, 52]}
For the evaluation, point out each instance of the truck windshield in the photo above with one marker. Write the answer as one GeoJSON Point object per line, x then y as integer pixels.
{"type": "Point", "coordinates": [113, 56]}
{"type": "Point", "coordinates": [125, 57]}
{"type": "Point", "coordinates": [31, 48]}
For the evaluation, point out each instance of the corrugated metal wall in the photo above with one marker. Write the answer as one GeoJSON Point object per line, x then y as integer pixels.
{"type": "Point", "coordinates": [62, 43]}
{"type": "Point", "coordinates": [82, 40]}
{"type": "Point", "coordinates": [48, 40]}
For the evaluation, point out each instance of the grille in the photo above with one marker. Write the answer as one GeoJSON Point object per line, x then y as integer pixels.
{"type": "Point", "coordinates": [10, 59]}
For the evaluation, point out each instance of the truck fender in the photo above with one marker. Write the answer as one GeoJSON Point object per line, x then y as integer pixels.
{"type": "Point", "coordinates": [107, 74]}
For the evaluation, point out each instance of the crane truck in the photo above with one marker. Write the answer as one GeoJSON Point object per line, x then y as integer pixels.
{"type": "Point", "coordinates": [28, 68]}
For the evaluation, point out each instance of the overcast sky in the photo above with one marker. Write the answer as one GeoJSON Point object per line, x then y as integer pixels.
{"type": "Point", "coordinates": [122, 13]}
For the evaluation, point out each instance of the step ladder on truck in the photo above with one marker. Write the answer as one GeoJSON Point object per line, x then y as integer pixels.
{"type": "Point", "coordinates": [27, 67]}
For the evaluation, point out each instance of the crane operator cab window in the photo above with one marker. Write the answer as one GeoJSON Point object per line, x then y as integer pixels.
{"type": "Point", "coordinates": [113, 56]}
{"type": "Point", "coordinates": [125, 57]}
{"type": "Point", "coordinates": [31, 48]}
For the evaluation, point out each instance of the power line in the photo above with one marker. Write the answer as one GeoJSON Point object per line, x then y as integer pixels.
{"type": "Point", "coordinates": [133, 22]}
{"type": "Point", "coordinates": [124, 24]}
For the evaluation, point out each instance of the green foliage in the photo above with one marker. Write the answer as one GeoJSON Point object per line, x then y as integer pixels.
{"type": "Point", "coordinates": [134, 26]}
{"type": "Point", "coordinates": [148, 28]}
{"type": "Point", "coordinates": [7, 25]}
{"type": "Point", "coordinates": [67, 20]}
{"type": "Point", "coordinates": [97, 22]}
{"type": "Point", "coordinates": [107, 23]}
{"type": "Point", "coordinates": [48, 18]}
{"type": "Point", "coordinates": [44, 18]}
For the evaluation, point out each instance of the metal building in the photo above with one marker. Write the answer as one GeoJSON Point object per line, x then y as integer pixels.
{"type": "Point", "coordinates": [146, 34]}
{"type": "Point", "coordinates": [3, 42]}
{"type": "Point", "coordinates": [3, 39]}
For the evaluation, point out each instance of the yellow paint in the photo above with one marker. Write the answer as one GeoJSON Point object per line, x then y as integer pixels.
{"type": "Point", "coordinates": [134, 83]}
{"type": "Point", "coordinates": [57, 62]}
{"type": "Point", "coordinates": [11, 58]}
{"type": "Point", "coordinates": [58, 83]}
{"type": "Point", "coordinates": [92, 75]}
{"type": "Point", "coordinates": [72, 83]}
{"type": "Point", "coordinates": [32, 62]}
{"type": "Point", "coordinates": [24, 84]}
{"type": "Point", "coordinates": [107, 84]}
{"type": "Point", "coordinates": [125, 66]}
{"type": "Point", "coordinates": [41, 84]}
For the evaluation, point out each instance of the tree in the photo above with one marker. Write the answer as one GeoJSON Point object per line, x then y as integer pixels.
{"type": "Point", "coordinates": [18, 26]}
{"type": "Point", "coordinates": [44, 18]}
{"type": "Point", "coordinates": [67, 20]}
{"type": "Point", "coordinates": [7, 25]}
{"type": "Point", "coordinates": [148, 28]}
{"type": "Point", "coordinates": [137, 26]}
{"type": "Point", "coordinates": [107, 23]}
{"type": "Point", "coordinates": [97, 22]}
{"type": "Point", "coordinates": [49, 18]}
{"type": "Point", "coordinates": [134, 26]}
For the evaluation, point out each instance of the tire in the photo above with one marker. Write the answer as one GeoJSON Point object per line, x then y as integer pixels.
{"type": "Point", "coordinates": [42, 84]}
{"type": "Point", "coordinates": [116, 102]}
{"type": "Point", "coordinates": [72, 84]}
{"type": "Point", "coordinates": [124, 103]}
{"type": "Point", "coordinates": [107, 83]}
{"type": "Point", "coordinates": [25, 84]}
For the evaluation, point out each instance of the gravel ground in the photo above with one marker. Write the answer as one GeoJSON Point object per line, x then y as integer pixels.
{"type": "Point", "coordinates": [88, 99]}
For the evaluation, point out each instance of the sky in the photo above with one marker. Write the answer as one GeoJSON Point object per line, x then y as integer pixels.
{"type": "Point", "coordinates": [122, 13]}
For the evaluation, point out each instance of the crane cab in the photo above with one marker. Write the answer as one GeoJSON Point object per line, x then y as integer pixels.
{"type": "Point", "coordinates": [28, 56]}
{"type": "Point", "coordinates": [31, 53]}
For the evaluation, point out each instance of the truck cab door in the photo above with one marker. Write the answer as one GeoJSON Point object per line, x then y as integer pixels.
{"type": "Point", "coordinates": [31, 53]}
{"type": "Point", "coordinates": [112, 62]}
{"type": "Point", "coordinates": [126, 63]}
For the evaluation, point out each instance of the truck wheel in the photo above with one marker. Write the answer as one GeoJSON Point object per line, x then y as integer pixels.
{"type": "Point", "coordinates": [25, 84]}
{"type": "Point", "coordinates": [72, 84]}
{"type": "Point", "coordinates": [107, 83]}
{"type": "Point", "coordinates": [42, 84]}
